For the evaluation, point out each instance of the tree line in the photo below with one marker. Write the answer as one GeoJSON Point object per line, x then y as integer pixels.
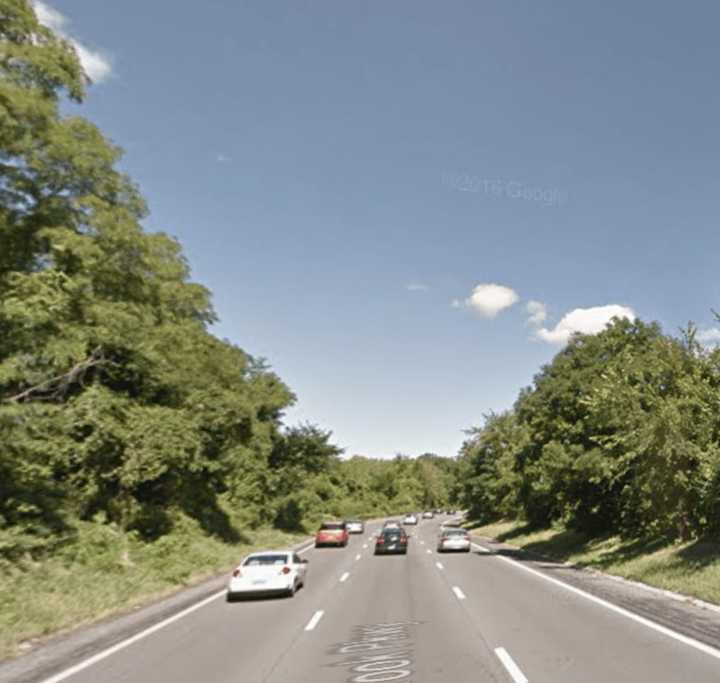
{"type": "Point", "coordinates": [620, 433]}
{"type": "Point", "coordinates": [117, 404]}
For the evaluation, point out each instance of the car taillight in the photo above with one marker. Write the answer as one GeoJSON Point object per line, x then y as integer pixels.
{"type": "Point", "coordinates": [236, 573]}
{"type": "Point", "coordinates": [380, 540]}
{"type": "Point", "coordinates": [285, 570]}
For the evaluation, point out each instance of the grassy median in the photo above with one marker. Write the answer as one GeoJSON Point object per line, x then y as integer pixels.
{"type": "Point", "coordinates": [691, 568]}
{"type": "Point", "coordinates": [103, 571]}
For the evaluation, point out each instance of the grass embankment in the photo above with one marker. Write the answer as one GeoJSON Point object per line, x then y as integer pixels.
{"type": "Point", "coordinates": [102, 571]}
{"type": "Point", "coordinates": [691, 568]}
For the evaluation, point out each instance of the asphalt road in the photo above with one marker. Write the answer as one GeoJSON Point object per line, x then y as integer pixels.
{"type": "Point", "coordinates": [423, 617]}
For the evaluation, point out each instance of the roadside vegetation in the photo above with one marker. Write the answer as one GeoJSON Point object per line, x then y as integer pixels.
{"type": "Point", "coordinates": [138, 452]}
{"type": "Point", "coordinates": [611, 457]}
{"type": "Point", "coordinates": [691, 567]}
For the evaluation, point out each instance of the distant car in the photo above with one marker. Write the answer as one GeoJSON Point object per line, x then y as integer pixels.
{"type": "Point", "coordinates": [332, 533]}
{"type": "Point", "coordinates": [410, 518]}
{"type": "Point", "coordinates": [268, 573]}
{"type": "Point", "coordinates": [451, 523]}
{"type": "Point", "coordinates": [391, 541]}
{"type": "Point", "coordinates": [391, 524]}
{"type": "Point", "coordinates": [428, 514]}
{"type": "Point", "coordinates": [453, 539]}
{"type": "Point", "coordinates": [355, 526]}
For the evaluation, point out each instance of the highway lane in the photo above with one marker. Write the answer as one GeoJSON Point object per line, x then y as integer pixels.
{"type": "Point", "coordinates": [223, 642]}
{"type": "Point", "coordinates": [393, 616]}
{"type": "Point", "coordinates": [556, 635]}
{"type": "Point", "coordinates": [421, 617]}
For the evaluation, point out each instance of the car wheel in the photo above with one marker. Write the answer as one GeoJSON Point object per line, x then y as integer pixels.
{"type": "Point", "coordinates": [229, 597]}
{"type": "Point", "coordinates": [292, 589]}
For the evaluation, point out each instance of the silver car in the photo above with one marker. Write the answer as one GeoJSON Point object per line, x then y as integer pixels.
{"type": "Point", "coordinates": [454, 539]}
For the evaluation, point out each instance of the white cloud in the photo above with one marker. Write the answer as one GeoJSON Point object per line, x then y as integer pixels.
{"type": "Point", "coordinates": [49, 16]}
{"type": "Point", "coordinates": [416, 287]}
{"type": "Point", "coordinates": [709, 337]}
{"type": "Point", "coordinates": [537, 311]}
{"type": "Point", "coordinates": [456, 303]}
{"type": "Point", "coordinates": [96, 65]}
{"type": "Point", "coordinates": [487, 300]}
{"type": "Point", "coordinates": [584, 320]}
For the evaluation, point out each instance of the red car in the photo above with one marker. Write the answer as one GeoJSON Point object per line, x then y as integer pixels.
{"type": "Point", "coordinates": [332, 533]}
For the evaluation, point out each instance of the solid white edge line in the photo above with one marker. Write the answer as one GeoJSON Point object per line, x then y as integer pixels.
{"type": "Point", "coordinates": [512, 668]}
{"type": "Point", "coordinates": [129, 641]}
{"type": "Point", "coordinates": [344, 577]}
{"type": "Point", "coordinates": [686, 640]}
{"type": "Point", "coordinates": [458, 593]}
{"type": "Point", "coordinates": [314, 621]}
{"type": "Point", "coordinates": [439, 565]}
{"type": "Point", "coordinates": [104, 654]}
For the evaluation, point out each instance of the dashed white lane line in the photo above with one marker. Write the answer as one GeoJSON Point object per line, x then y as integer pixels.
{"type": "Point", "coordinates": [422, 542]}
{"type": "Point", "coordinates": [458, 593]}
{"type": "Point", "coordinates": [439, 565]}
{"type": "Point", "coordinates": [358, 556]}
{"type": "Point", "coordinates": [686, 640]}
{"type": "Point", "coordinates": [344, 577]}
{"type": "Point", "coordinates": [428, 551]}
{"type": "Point", "coordinates": [365, 547]}
{"type": "Point", "coordinates": [314, 621]}
{"type": "Point", "coordinates": [512, 668]}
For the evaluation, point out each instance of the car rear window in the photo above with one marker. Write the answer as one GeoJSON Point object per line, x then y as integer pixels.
{"type": "Point", "coordinates": [332, 526]}
{"type": "Point", "coordinates": [454, 532]}
{"type": "Point", "coordinates": [264, 560]}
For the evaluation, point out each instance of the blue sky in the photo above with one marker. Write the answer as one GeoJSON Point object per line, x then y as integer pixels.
{"type": "Point", "coordinates": [343, 176]}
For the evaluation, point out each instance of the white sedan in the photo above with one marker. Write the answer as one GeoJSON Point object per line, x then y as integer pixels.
{"type": "Point", "coordinates": [454, 539]}
{"type": "Point", "coordinates": [410, 519]}
{"type": "Point", "coordinates": [268, 573]}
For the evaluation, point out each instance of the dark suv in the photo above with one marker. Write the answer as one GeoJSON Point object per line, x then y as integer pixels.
{"type": "Point", "coordinates": [391, 541]}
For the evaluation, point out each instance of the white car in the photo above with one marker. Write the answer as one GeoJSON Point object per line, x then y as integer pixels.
{"type": "Point", "coordinates": [453, 539]}
{"type": "Point", "coordinates": [428, 514]}
{"type": "Point", "coordinates": [410, 519]}
{"type": "Point", "coordinates": [355, 526]}
{"type": "Point", "coordinates": [268, 573]}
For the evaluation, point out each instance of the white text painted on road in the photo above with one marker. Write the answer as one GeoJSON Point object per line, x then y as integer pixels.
{"type": "Point", "coordinates": [512, 668]}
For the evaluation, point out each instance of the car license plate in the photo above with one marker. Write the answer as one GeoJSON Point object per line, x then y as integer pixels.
{"type": "Point", "coordinates": [391, 547]}
{"type": "Point", "coordinates": [259, 582]}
